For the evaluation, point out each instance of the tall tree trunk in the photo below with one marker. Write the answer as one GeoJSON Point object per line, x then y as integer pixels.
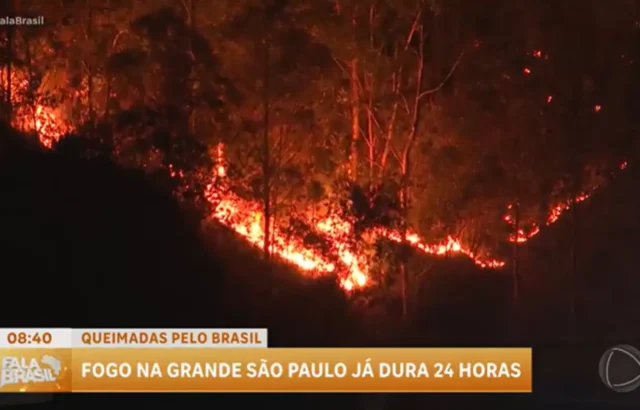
{"type": "Point", "coordinates": [189, 10]}
{"type": "Point", "coordinates": [403, 281]}
{"type": "Point", "coordinates": [371, 136]}
{"type": "Point", "coordinates": [9, 90]}
{"type": "Point", "coordinates": [355, 120]}
{"type": "Point", "coordinates": [90, 66]}
{"type": "Point", "coordinates": [515, 276]}
{"type": "Point", "coordinates": [32, 97]}
{"type": "Point", "coordinates": [395, 82]}
{"type": "Point", "coordinates": [405, 191]}
{"type": "Point", "coordinates": [574, 281]}
{"type": "Point", "coordinates": [276, 148]}
{"type": "Point", "coordinates": [266, 166]}
{"type": "Point", "coordinates": [574, 266]}
{"type": "Point", "coordinates": [406, 170]}
{"type": "Point", "coordinates": [108, 101]}
{"type": "Point", "coordinates": [575, 172]}
{"type": "Point", "coordinates": [404, 274]}
{"type": "Point", "coordinates": [193, 28]}
{"type": "Point", "coordinates": [404, 206]}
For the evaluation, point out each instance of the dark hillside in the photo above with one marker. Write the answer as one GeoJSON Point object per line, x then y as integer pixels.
{"type": "Point", "coordinates": [97, 245]}
{"type": "Point", "coordinates": [94, 245]}
{"type": "Point", "coordinates": [298, 310]}
{"type": "Point", "coordinates": [124, 254]}
{"type": "Point", "coordinates": [84, 243]}
{"type": "Point", "coordinates": [605, 281]}
{"type": "Point", "coordinates": [461, 304]}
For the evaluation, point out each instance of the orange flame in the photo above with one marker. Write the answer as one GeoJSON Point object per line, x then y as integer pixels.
{"type": "Point", "coordinates": [32, 115]}
{"type": "Point", "coordinates": [245, 218]}
{"type": "Point", "coordinates": [450, 246]}
{"type": "Point", "coordinates": [554, 214]}
{"type": "Point", "coordinates": [47, 126]}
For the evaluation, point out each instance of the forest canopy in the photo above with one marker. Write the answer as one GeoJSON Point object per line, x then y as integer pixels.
{"type": "Point", "coordinates": [340, 125]}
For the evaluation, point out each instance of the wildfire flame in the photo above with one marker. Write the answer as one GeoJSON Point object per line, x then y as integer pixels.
{"type": "Point", "coordinates": [523, 236]}
{"type": "Point", "coordinates": [245, 218]}
{"type": "Point", "coordinates": [32, 115]}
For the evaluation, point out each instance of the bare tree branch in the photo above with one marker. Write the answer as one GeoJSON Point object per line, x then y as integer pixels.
{"type": "Point", "coordinates": [340, 65]}
{"type": "Point", "coordinates": [436, 89]}
{"type": "Point", "coordinates": [414, 27]}
{"type": "Point", "coordinates": [117, 37]}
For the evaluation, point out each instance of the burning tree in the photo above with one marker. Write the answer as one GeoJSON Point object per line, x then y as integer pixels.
{"type": "Point", "coordinates": [334, 129]}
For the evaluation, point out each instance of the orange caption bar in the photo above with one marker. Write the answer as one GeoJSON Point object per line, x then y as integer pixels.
{"type": "Point", "coordinates": [266, 370]}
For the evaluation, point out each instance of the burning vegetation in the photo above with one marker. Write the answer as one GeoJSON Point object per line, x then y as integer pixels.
{"type": "Point", "coordinates": [267, 120]}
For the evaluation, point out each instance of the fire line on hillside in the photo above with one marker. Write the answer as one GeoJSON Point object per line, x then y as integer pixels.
{"type": "Point", "coordinates": [245, 218]}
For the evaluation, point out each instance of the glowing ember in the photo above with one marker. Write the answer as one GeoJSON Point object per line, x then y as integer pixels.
{"type": "Point", "coordinates": [221, 170]}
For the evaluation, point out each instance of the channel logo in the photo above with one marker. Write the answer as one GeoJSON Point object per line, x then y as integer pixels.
{"type": "Point", "coordinates": [620, 368]}
{"type": "Point", "coordinates": [24, 371]}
